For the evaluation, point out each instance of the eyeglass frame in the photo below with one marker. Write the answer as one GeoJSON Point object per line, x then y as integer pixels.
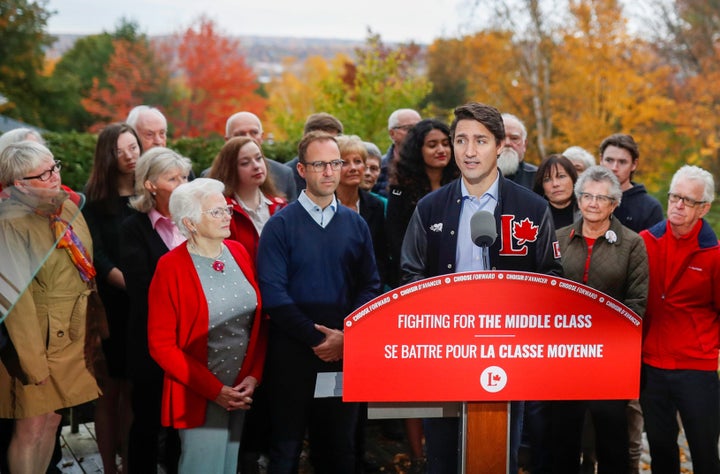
{"type": "Point", "coordinates": [57, 166]}
{"type": "Point", "coordinates": [406, 127]}
{"type": "Point", "coordinates": [688, 202]}
{"type": "Point", "coordinates": [599, 198]}
{"type": "Point", "coordinates": [217, 212]}
{"type": "Point", "coordinates": [321, 166]}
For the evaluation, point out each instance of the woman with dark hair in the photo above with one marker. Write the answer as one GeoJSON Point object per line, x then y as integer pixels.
{"type": "Point", "coordinates": [109, 188]}
{"type": "Point", "coordinates": [249, 189]}
{"type": "Point", "coordinates": [425, 165]}
{"type": "Point", "coordinates": [555, 181]}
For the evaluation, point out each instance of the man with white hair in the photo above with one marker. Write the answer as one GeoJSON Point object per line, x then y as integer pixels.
{"type": "Point", "coordinates": [511, 160]}
{"type": "Point", "coordinates": [399, 124]}
{"type": "Point", "coordinates": [150, 124]}
{"type": "Point", "coordinates": [681, 328]}
{"type": "Point", "coordinates": [247, 124]}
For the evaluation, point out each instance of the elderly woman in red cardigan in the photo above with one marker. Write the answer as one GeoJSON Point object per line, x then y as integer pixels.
{"type": "Point", "coordinates": [206, 331]}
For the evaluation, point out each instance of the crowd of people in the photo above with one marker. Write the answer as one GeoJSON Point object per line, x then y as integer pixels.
{"type": "Point", "coordinates": [223, 297]}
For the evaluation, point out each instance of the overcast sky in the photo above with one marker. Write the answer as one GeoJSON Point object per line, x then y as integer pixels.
{"type": "Point", "coordinates": [395, 20]}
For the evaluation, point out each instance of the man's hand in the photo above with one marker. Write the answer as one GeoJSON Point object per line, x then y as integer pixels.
{"type": "Point", "coordinates": [331, 349]}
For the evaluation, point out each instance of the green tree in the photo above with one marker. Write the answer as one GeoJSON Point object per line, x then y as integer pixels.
{"type": "Point", "coordinates": [72, 80]}
{"type": "Point", "coordinates": [364, 93]}
{"type": "Point", "coordinates": [361, 93]}
{"type": "Point", "coordinates": [87, 65]}
{"type": "Point", "coordinates": [22, 39]}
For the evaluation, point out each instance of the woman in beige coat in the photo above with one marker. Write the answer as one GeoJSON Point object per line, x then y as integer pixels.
{"type": "Point", "coordinates": [43, 368]}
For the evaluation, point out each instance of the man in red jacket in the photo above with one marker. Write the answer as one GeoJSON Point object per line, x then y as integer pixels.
{"type": "Point", "coordinates": [681, 328]}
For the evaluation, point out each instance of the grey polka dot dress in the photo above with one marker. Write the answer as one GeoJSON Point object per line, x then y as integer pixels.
{"type": "Point", "coordinates": [231, 301]}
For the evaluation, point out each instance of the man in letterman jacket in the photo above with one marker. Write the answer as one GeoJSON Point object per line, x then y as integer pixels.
{"type": "Point", "coordinates": [438, 241]}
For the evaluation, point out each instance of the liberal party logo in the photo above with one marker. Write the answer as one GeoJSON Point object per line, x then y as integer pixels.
{"type": "Point", "coordinates": [493, 379]}
{"type": "Point", "coordinates": [516, 235]}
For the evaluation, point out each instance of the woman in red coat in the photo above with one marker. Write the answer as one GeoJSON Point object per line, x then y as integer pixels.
{"type": "Point", "coordinates": [206, 331]}
{"type": "Point", "coordinates": [249, 189]}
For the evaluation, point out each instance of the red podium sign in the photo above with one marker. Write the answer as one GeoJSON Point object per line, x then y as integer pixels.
{"type": "Point", "coordinates": [492, 336]}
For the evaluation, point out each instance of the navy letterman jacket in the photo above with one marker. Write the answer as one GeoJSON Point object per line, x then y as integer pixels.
{"type": "Point", "coordinates": [526, 237]}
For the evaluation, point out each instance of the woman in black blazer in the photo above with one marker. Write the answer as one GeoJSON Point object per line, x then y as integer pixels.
{"type": "Point", "coordinates": [145, 237]}
{"type": "Point", "coordinates": [354, 153]}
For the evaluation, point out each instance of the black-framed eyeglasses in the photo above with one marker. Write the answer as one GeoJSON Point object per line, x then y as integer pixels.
{"type": "Point", "coordinates": [404, 127]}
{"type": "Point", "coordinates": [218, 212]}
{"type": "Point", "coordinates": [675, 198]}
{"type": "Point", "coordinates": [600, 198]}
{"type": "Point", "coordinates": [319, 166]}
{"type": "Point", "coordinates": [47, 174]}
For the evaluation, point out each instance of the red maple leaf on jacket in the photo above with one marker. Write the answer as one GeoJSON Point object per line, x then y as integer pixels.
{"type": "Point", "coordinates": [525, 231]}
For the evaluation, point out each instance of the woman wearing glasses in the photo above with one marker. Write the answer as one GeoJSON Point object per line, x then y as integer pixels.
{"type": "Point", "coordinates": [46, 247]}
{"type": "Point", "coordinates": [206, 330]}
{"type": "Point", "coordinates": [598, 251]}
{"type": "Point", "coordinates": [145, 237]}
{"type": "Point", "coordinates": [249, 189]}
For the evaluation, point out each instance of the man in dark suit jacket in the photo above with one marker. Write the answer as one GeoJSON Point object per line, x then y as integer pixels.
{"type": "Point", "coordinates": [247, 124]}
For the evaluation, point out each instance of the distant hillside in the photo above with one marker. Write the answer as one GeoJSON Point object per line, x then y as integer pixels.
{"type": "Point", "coordinates": [264, 54]}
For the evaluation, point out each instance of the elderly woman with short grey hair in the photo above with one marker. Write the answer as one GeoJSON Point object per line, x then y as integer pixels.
{"type": "Point", "coordinates": [144, 238]}
{"type": "Point", "coordinates": [47, 272]}
{"type": "Point", "coordinates": [598, 251]}
{"type": "Point", "coordinates": [206, 330]}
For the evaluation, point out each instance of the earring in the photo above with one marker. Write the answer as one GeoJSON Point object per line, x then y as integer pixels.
{"type": "Point", "coordinates": [154, 193]}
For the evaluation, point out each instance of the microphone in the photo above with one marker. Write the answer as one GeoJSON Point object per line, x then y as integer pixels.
{"type": "Point", "coordinates": [483, 233]}
{"type": "Point", "coordinates": [482, 228]}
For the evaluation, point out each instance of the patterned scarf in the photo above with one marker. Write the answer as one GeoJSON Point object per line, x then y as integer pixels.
{"type": "Point", "coordinates": [68, 240]}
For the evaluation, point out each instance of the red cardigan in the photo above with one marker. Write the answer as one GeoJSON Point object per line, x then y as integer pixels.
{"type": "Point", "coordinates": [242, 228]}
{"type": "Point", "coordinates": [178, 336]}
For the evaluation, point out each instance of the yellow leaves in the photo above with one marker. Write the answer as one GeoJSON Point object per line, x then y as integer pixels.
{"type": "Point", "coordinates": [360, 92]}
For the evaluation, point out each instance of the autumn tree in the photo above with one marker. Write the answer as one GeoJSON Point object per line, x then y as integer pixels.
{"type": "Point", "coordinates": [686, 37]}
{"type": "Point", "coordinates": [292, 94]}
{"type": "Point", "coordinates": [132, 77]}
{"type": "Point", "coordinates": [22, 42]}
{"type": "Point", "coordinates": [215, 80]}
{"type": "Point", "coordinates": [607, 81]}
{"type": "Point", "coordinates": [362, 93]}
{"type": "Point", "coordinates": [85, 69]}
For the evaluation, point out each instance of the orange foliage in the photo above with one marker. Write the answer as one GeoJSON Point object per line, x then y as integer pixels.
{"type": "Point", "coordinates": [216, 80]}
{"type": "Point", "coordinates": [129, 79]}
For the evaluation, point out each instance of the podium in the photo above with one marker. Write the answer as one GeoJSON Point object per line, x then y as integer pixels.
{"type": "Point", "coordinates": [491, 337]}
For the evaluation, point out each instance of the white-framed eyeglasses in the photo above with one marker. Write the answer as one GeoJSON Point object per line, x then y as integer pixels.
{"type": "Point", "coordinates": [218, 212]}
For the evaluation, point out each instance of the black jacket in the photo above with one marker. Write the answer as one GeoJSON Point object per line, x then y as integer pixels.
{"type": "Point", "coordinates": [638, 210]}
